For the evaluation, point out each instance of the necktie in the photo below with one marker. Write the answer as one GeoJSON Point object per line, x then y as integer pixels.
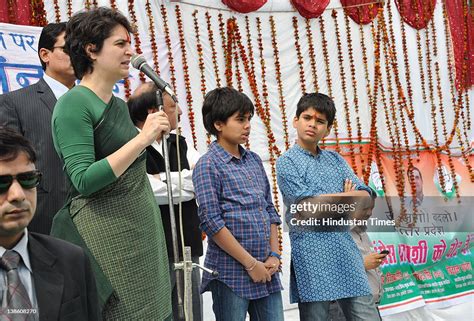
{"type": "Point", "coordinates": [18, 304]}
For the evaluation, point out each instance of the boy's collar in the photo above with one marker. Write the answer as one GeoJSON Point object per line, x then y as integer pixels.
{"type": "Point", "coordinates": [318, 150]}
{"type": "Point", "coordinates": [225, 155]}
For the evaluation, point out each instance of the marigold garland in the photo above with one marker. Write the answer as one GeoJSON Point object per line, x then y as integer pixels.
{"type": "Point", "coordinates": [249, 45]}
{"type": "Point", "coordinates": [210, 35]}
{"type": "Point", "coordinates": [354, 88]}
{"type": "Point", "coordinates": [113, 5]}
{"type": "Point", "coordinates": [433, 110]}
{"type": "Point", "coordinates": [312, 56]}
{"type": "Point", "coordinates": [136, 34]}
{"type": "Point", "coordinates": [407, 75]}
{"type": "Point", "coordinates": [279, 83]}
{"type": "Point", "coordinates": [377, 81]}
{"type": "Point", "coordinates": [230, 26]}
{"type": "Point", "coordinates": [299, 55]}
{"type": "Point", "coordinates": [267, 110]}
{"type": "Point", "coordinates": [402, 101]}
{"type": "Point", "coordinates": [238, 74]}
{"type": "Point", "coordinates": [441, 111]}
{"type": "Point", "coordinates": [38, 14]}
{"type": "Point", "coordinates": [328, 79]}
{"type": "Point", "coordinates": [399, 183]}
{"type": "Point", "coordinates": [397, 147]}
{"type": "Point", "coordinates": [344, 90]}
{"type": "Point", "coordinates": [151, 30]}
{"type": "Point", "coordinates": [370, 97]}
{"type": "Point", "coordinates": [166, 28]}
{"type": "Point", "coordinates": [228, 67]}
{"type": "Point", "coordinates": [57, 12]}
{"type": "Point", "coordinates": [187, 82]}
{"type": "Point", "coordinates": [201, 61]}
{"type": "Point", "coordinates": [69, 8]}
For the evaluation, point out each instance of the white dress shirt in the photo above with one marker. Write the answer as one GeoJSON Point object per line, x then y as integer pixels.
{"type": "Point", "coordinates": [58, 88]}
{"type": "Point", "coordinates": [186, 187]}
{"type": "Point", "coordinates": [24, 270]}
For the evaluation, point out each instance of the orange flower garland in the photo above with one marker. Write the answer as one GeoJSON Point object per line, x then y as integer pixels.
{"type": "Point", "coordinates": [210, 34]}
{"type": "Point", "coordinates": [267, 110]}
{"type": "Point", "coordinates": [201, 61]}
{"type": "Point", "coordinates": [312, 56]}
{"type": "Point", "coordinates": [151, 29]}
{"type": "Point", "coordinates": [402, 101]}
{"type": "Point", "coordinates": [69, 8]}
{"type": "Point", "coordinates": [407, 74]}
{"type": "Point", "coordinates": [249, 45]}
{"type": "Point", "coordinates": [344, 91]}
{"type": "Point", "coordinates": [433, 111]}
{"type": "Point", "coordinates": [328, 79]}
{"type": "Point", "coordinates": [238, 74]}
{"type": "Point", "coordinates": [441, 111]}
{"type": "Point", "coordinates": [113, 5]}
{"type": "Point", "coordinates": [136, 34]}
{"type": "Point", "coordinates": [279, 83]}
{"type": "Point", "coordinates": [57, 13]}
{"type": "Point", "coordinates": [354, 88]}
{"type": "Point", "coordinates": [228, 51]}
{"type": "Point", "coordinates": [299, 55]}
{"type": "Point", "coordinates": [187, 82]}
{"type": "Point", "coordinates": [38, 14]}
{"type": "Point", "coordinates": [168, 44]}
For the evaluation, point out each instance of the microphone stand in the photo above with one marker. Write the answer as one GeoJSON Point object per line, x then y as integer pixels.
{"type": "Point", "coordinates": [184, 299]}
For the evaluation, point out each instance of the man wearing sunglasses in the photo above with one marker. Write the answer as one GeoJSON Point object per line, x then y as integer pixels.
{"type": "Point", "coordinates": [28, 111]}
{"type": "Point", "coordinates": [41, 278]}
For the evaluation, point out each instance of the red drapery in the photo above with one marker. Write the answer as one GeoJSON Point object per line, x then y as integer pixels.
{"type": "Point", "coordinates": [362, 14]}
{"type": "Point", "coordinates": [310, 8]}
{"type": "Point", "coordinates": [462, 34]}
{"type": "Point", "coordinates": [417, 13]}
{"type": "Point", "coordinates": [15, 11]}
{"type": "Point", "coordinates": [244, 6]}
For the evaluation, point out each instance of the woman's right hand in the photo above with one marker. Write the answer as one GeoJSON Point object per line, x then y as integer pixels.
{"type": "Point", "coordinates": [259, 273]}
{"type": "Point", "coordinates": [155, 125]}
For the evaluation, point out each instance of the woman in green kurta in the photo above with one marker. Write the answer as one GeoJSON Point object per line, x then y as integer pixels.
{"type": "Point", "coordinates": [113, 207]}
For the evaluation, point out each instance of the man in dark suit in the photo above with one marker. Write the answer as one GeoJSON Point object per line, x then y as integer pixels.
{"type": "Point", "coordinates": [51, 279]}
{"type": "Point", "coordinates": [28, 111]}
{"type": "Point", "coordinates": [140, 104]}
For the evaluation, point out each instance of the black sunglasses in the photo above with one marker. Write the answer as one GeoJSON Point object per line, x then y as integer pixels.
{"type": "Point", "coordinates": [27, 180]}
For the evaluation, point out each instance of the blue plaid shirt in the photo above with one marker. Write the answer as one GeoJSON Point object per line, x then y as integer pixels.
{"type": "Point", "coordinates": [325, 266]}
{"type": "Point", "coordinates": [235, 193]}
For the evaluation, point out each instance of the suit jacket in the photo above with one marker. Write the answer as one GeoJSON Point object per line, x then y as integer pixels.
{"type": "Point", "coordinates": [29, 110]}
{"type": "Point", "coordinates": [63, 280]}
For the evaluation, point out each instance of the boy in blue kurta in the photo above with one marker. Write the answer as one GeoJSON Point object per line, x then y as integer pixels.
{"type": "Point", "coordinates": [325, 262]}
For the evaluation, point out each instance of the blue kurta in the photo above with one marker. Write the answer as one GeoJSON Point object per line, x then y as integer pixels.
{"type": "Point", "coordinates": [325, 265]}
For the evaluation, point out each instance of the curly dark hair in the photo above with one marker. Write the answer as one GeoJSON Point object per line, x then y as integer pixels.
{"type": "Point", "coordinates": [90, 27]}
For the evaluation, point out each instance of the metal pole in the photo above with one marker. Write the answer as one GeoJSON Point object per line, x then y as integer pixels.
{"type": "Point", "coordinates": [179, 280]}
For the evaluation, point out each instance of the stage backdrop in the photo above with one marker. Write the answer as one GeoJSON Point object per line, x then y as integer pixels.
{"type": "Point", "coordinates": [385, 124]}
